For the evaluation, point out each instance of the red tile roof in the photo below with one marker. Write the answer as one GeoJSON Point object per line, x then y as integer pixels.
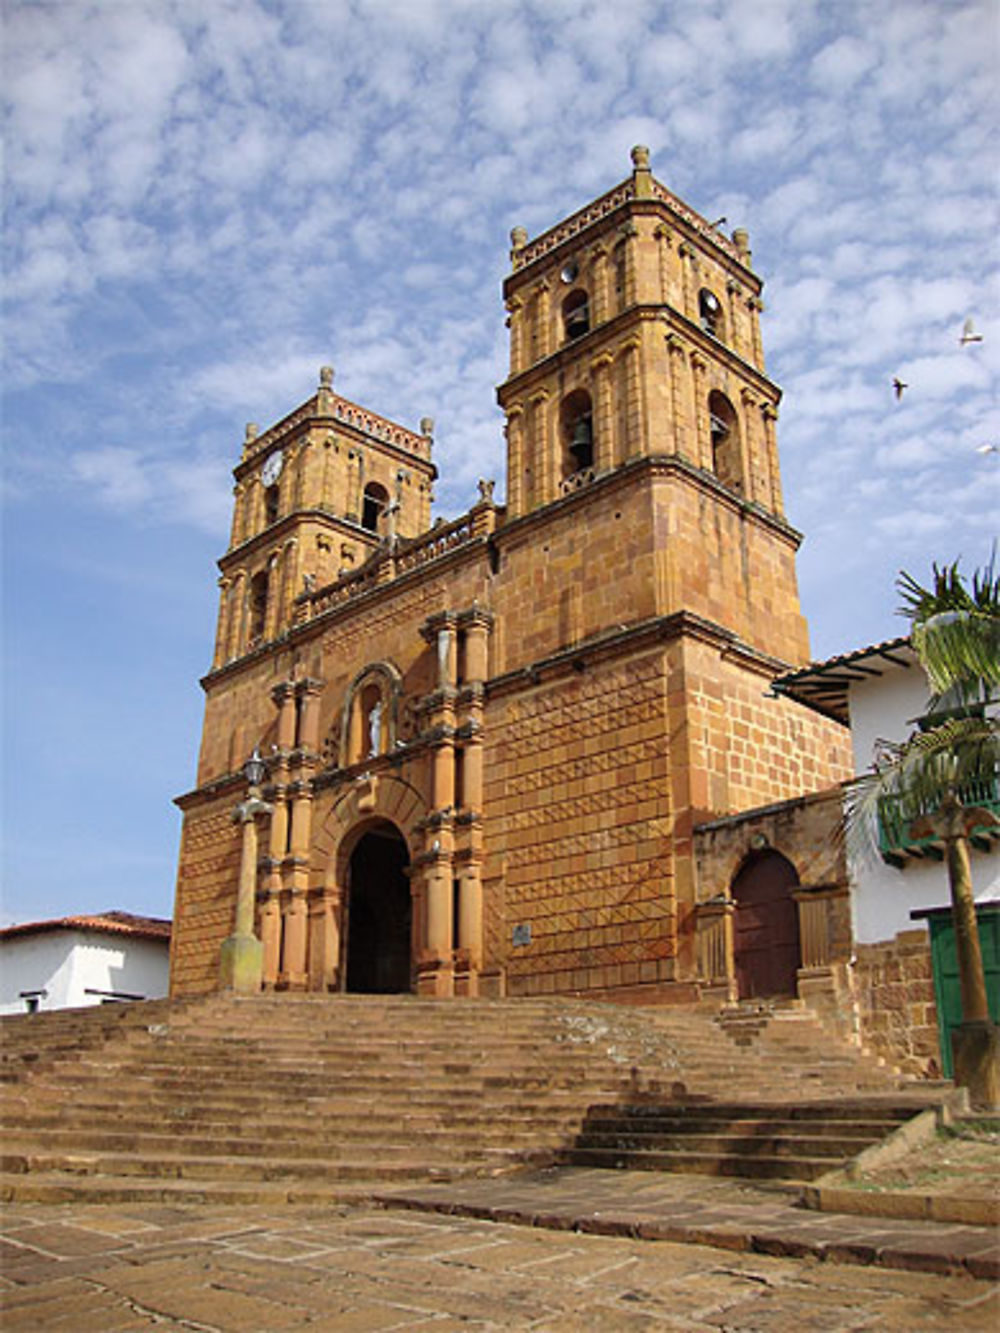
{"type": "Point", "coordinates": [110, 923]}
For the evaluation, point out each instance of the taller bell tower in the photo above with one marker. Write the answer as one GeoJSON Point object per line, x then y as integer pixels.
{"type": "Point", "coordinates": [636, 361]}
{"type": "Point", "coordinates": [634, 330]}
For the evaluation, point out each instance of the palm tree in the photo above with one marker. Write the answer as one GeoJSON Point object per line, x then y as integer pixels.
{"type": "Point", "coordinates": [943, 777]}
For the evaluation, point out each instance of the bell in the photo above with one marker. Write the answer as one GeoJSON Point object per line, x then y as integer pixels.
{"type": "Point", "coordinates": [578, 321]}
{"type": "Point", "coordinates": [581, 445]}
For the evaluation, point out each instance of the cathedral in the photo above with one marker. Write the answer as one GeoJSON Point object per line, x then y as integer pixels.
{"type": "Point", "coordinates": [488, 744]}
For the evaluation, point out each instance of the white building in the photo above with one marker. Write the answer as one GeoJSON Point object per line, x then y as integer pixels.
{"type": "Point", "coordinates": [880, 692]}
{"type": "Point", "coordinates": [83, 960]}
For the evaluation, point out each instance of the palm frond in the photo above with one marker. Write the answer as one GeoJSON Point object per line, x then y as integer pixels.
{"type": "Point", "coordinates": [960, 757]}
{"type": "Point", "coordinates": [960, 651]}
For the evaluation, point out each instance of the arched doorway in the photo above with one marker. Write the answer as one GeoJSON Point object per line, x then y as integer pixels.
{"type": "Point", "coordinates": [379, 914]}
{"type": "Point", "coordinates": [766, 927]}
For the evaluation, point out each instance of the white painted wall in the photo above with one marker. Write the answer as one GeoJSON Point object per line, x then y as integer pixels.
{"type": "Point", "coordinates": [68, 963]}
{"type": "Point", "coordinates": [883, 708]}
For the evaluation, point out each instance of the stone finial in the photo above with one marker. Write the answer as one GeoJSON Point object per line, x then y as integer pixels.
{"type": "Point", "coordinates": [426, 425]}
{"type": "Point", "coordinates": [251, 432]}
{"type": "Point", "coordinates": [640, 157]}
{"type": "Point", "coordinates": [741, 239]}
{"type": "Point", "coordinates": [326, 377]}
{"type": "Point", "coordinates": [486, 490]}
{"type": "Point", "coordinates": [518, 238]}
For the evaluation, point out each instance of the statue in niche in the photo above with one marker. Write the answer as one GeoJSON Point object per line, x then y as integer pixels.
{"type": "Point", "coordinates": [375, 730]}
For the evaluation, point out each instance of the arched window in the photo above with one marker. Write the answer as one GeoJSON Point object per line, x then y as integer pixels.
{"type": "Point", "coordinates": [576, 314]}
{"type": "Point", "coordinates": [373, 505]}
{"type": "Point", "coordinates": [258, 607]}
{"type": "Point", "coordinates": [272, 497]}
{"type": "Point", "coordinates": [710, 312]}
{"type": "Point", "coordinates": [577, 429]}
{"type": "Point", "coordinates": [724, 424]}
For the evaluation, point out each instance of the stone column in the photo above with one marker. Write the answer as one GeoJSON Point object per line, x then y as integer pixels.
{"type": "Point", "coordinates": [355, 470]}
{"type": "Point", "coordinates": [599, 284]}
{"type": "Point", "coordinates": [295, 925]}
{"type": "Point", "coordinates": [755, 305]}
{"type": "Point", "coordinates": [604, 421]}
{"type": "Point", "coordinates": [324, 938]}
{"type": "Point", "coordinates": [686, 254]}
{"type": "Point", "coordinates": [629, 232]}
{"type": "Point", "coordinates": [274, 581]}
{"type": "Point", "coordinates": [635, 429]}
{"type": "Point", "coordinates": [543, 320]}
{"type": "Point", "coordinates": [515, 322]}
{"type": "Point", "coordinates": [221, 624]}
{"type": "Point", "coordinates": [678, 412]}
{"type": "Point", "coordinates": [542, 470]}
{"type": "Point", "coordinates": [436, 968]}
{"type": "Point", "coordinates": [515, 461]}
{"type": "Point", "coordinates": [769, 415]}
{"type": "Point", "coordinates": [241, 955]}
{"type": "Point", "coordinates": [309, 693]}
{"type": "Point", "coordinates": [702, 425]}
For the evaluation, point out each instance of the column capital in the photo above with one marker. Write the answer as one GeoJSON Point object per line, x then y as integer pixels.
{"type": "Point", "coordinates": [441, 620]}
{"type": "Point", "coordinates": [475, 616]}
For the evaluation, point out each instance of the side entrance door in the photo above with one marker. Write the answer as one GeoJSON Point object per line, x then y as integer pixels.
{"type": "Point", "coordinates": [766, 933]}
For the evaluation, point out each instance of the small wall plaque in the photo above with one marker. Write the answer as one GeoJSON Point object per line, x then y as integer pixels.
{"type": "Point", "coordinates": [520, 935]}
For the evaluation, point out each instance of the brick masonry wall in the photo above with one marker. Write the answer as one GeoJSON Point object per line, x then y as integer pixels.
{"type": "Point", "coordinates": [206, 900]}
{"type": "Point", "coordinates": [894, 992]}
{"type": "Point", "coordinates": [578, 822]}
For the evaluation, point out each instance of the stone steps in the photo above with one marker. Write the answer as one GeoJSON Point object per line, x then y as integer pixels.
{"type": "Point", "coordinates": [291, 1095]}
{"type": "Point", "coordinates": [774, 1142]}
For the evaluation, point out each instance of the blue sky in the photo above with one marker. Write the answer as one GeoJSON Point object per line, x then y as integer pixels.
{"type": "Point", "coordinates": [207, 200]}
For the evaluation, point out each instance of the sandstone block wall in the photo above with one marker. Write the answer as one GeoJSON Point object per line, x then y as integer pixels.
{"type": "Point", "coordinates": [894, 993]}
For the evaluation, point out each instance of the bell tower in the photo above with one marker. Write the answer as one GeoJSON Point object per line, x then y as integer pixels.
{"type": "Point", "coordinates": [634, 331]}
{"type": "Point", "coordinates": [315, 496]}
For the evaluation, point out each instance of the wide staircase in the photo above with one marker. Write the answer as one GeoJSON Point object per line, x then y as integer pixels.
{"type": "Point", "coordinates": [317, 1098]}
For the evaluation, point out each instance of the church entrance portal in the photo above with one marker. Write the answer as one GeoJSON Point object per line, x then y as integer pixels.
{"type": "Point", "coordinates": [766, 936]}
{"type": "Point", "coordinates": [379, 914]}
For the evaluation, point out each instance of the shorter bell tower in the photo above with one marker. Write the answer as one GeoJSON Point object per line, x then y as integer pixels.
{"type": "Point", "coordinates": [315, 496]}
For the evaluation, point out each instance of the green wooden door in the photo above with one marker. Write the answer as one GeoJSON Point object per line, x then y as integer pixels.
{"type": "Point", "coordinates": [944, 961]}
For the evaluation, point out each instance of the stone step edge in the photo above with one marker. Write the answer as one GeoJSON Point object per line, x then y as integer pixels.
{"type": "Point", "coordinates": [735, 1238]}
{"type": "Point", "coordinates": [895, 1204]}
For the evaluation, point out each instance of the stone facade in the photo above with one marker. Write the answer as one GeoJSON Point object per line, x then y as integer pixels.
{"type": "Point", "coordinates": [894, 992]}
{"type": "Point", "coordinates": [489, 741]}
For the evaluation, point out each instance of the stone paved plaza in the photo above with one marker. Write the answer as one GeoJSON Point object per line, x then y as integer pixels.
{"type": "Point", "coordinates": [117, 1268]}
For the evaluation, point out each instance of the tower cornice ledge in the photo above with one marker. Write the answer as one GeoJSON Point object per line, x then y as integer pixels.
{"type": "Point", "coordinates": [609, 644]}
{"type": "Point", "coordinates": [626, 474]}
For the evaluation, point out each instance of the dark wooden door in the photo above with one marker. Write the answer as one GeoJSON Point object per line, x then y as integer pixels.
{"type": "Point", "coordinates": [379, 916]}
{"type": "Point", "coordinates": [766, 937]}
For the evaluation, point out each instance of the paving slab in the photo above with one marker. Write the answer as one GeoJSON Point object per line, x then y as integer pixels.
{"type": "Point", "coordinates": [369, 1268]}
{"type": "Point", "coordinates": [727, 1214]}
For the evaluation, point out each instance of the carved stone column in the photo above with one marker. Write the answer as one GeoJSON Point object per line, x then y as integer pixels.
{"type": "Point", "coordinates": [599, 283]}
{"type": "Point", "coordinates": [604, 421]}
{"type": "Point", "coordinates": [634, 443]}
{"type": "Point", "coordinates": [678, 411]}
{"type": "Point", "coordinates": [715, 953]}
{"type": "Point", "coordinates": [542, 468]}
{"type": "Point", "coordinates": [325, 907]}
{"type": "Point", "coordinates": [515, 461]}
{"type": "Point", "coordinates": [222, 624]}
{"type": "Point", "coordinates": [769, 415]}
{"type": "Point", "coordinates": [241, 955]}
{"type": "Point", "coordinates": [703, 427]}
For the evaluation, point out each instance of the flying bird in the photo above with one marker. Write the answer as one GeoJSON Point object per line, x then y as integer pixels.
{"type": "Point", "coordinates": [899, 386]}
{"type": "Point", "coordinates": [987, 449]}
{"type": "Point", "coordinates": [969, 334]}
